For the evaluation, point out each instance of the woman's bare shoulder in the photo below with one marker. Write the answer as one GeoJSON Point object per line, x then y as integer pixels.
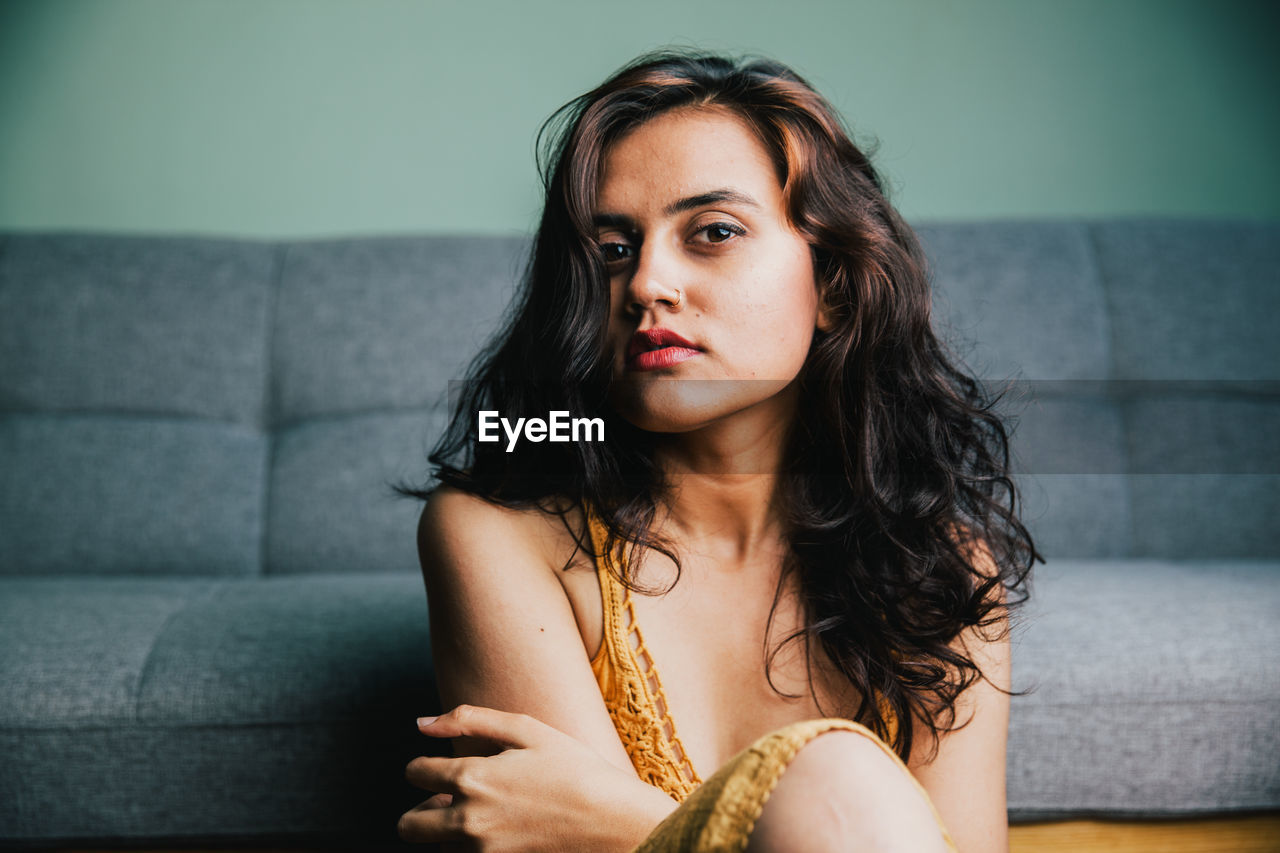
{"type": "Point", "coordinates": [458, 527]}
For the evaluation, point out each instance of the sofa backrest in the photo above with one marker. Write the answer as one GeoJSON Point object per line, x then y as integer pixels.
{"type": "Point", "coordinates": [184, 405]}
{"type": "Point", "coordinates": [1145, 367]}
{"type": "Point", "coordinates": [177, 405]}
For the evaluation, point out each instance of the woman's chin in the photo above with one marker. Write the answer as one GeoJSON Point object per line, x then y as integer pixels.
{"type": "Point", "coordinates": [670, 405]}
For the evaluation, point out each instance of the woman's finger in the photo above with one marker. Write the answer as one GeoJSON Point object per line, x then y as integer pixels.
{"type": "Point", "coordinates": [425, 822]}
{"type": "Point", "coordinates": [436, 774]}
{"type": "Point", "coordinates": [500, 727]}
{"type": "Point", "coordinates": [439, 801]}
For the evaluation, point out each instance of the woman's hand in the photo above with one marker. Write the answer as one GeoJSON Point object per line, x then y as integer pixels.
{"type": "Point", "coordinates": [543, 791]}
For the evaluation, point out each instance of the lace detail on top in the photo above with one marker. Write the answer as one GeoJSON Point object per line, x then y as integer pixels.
{"type": "Point", "coordinates": [631, 688]}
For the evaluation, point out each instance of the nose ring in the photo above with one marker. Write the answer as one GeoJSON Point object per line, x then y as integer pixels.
{"type": "Point", "coordinates": [679, 299]}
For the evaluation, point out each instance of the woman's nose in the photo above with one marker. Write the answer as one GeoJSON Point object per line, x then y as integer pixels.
{"type": "Point", "coordinates": [656, 277]}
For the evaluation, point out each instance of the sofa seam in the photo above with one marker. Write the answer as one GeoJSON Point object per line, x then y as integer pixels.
{"type": "Point", "coordinates": [144, 725]}
{"type": "Point", "coordinates": [1122, 406]}
{"type": "Point", "coordinates": [416, 410]}
{"type": "Point", "coordinates": [269, 405]}
{"type": "Point", "coordinates": [144, 672]}
{"type": "Point", "coordinates": [137, 722]}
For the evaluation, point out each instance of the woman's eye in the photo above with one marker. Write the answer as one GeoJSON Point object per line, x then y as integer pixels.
{"type": "Point", "coordinates": [719, 232]}
{"type": "Point", "coordinates": [614, 252]}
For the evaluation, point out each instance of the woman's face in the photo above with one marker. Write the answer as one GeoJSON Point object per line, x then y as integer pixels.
{"type": "Point", "coordinates": [713, 294]}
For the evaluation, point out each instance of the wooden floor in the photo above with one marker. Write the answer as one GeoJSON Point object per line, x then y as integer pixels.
{"type": "Point", "coordinates": [1254, 834]}
{"type": "Point", "coordinates": [1258, 834]}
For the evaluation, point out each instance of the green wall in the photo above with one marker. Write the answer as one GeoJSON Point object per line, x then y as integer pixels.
{"type": "Point", "coordinates": [284, 118]}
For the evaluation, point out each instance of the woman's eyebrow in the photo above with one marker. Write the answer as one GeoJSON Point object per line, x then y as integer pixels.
{"type": "Point", "coordinates": [613, 220]}
{"type": "Point", "coordinates": [711, 197]}
{"type": "Point", "coordinates": [626, 223]}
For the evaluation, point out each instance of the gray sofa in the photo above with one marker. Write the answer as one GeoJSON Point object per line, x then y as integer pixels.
{"type": "Point", "coordinates": [212, 627]}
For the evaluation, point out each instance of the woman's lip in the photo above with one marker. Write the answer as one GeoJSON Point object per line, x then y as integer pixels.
{"type": "Point", "coordinates": [656, 359]}
{"type": "Point", "coordinates": [656, 338]}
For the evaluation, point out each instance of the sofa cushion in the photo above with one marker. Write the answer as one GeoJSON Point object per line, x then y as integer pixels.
{"type": "Point", "coordinates": [1205, 472]}
{"type": "Point", "coordinates": [385, 322]}
{"type": "Point", "coordinates": [303, 689]}
{"type": "Point", "coordinates": [1192, 300]}
{"type": "Point", "coordinates": [158, 325]}
{"type": "Point", "coordinates": [310, 785]}
{"type": "Point", "coordinates": [1154, 689]}
{"type": "Point", "coordinates": [76, 648]}
{"type": "Point", "coordinates": [286, 650]}
{"type": "Point", "coordinates": [1020, 299]}
{"type": "Point", "coordinates": [1070, 461]}
{"type": "Point", "coordinates": [1077, 515]}
{"type": "Point", "coordinates": [1210, 516]}
{"type": "Point", "coordinates": [116, 494]}
{"type": "Point", "coordinates": [210, 708]}
{"type": "Point", "coordinates": [332, 505]}
{"type": "Point", "coordinates": [1023, 304]}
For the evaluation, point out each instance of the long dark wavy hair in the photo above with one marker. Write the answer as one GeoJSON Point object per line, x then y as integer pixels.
{"type": "Point", "coordinates": [897, 469]}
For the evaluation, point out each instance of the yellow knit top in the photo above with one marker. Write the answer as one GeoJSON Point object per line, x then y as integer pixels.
{"type": "Point", "coordinates": [632, 689]}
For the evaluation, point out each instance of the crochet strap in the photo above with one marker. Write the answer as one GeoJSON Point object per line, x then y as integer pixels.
{"type": "Point", "coordinates": [630, 683]}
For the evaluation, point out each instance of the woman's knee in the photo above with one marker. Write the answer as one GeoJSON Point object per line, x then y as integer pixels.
{"type": "Point", "coordinates": [843, 792]}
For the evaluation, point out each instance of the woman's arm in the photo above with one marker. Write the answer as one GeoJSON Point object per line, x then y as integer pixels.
{"type": "Point", "coordinates": [503, 634]}
{"type": "Point", "coordinates": [504, 637]}
{"type": "Point", "coordinates": [966, 780]}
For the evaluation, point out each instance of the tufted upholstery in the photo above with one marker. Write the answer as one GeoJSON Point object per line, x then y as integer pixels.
{"type": "Point", "coordinates": [203, 569]}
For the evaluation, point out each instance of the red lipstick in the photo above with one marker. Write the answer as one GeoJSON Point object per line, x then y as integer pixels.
{"type": "Point", "coordinates": [654, 349]}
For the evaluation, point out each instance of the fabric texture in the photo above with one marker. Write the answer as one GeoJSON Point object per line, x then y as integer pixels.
{"type": "Point", "coordinates": [1020, 299]}
{"type": "Point", "coordinates": [219, 708]}
{"type": "Point", "coordinates": [330, 500]}
{"type": "Point", "coordinates": [140, 324]}
{"type": "Point", "coordinates": [1151, 689]}
{"type": "Point", "coordinates": [720, 815]}
{"type": "Point", "coordinates": [378, 323]}
{"type": "Point", "coordinates": [1192, 299]}
{"type": "Point", "coordinates": [130, 495]}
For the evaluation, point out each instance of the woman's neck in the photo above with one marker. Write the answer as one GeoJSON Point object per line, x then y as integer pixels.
{"type": "Point", "coordinates": [723, 482]}
{"type": "Point", "coordinates": [732, 517]}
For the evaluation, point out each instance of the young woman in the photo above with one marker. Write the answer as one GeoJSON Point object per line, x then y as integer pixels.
{"type": "Point", "coordinates": [770, 609]}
